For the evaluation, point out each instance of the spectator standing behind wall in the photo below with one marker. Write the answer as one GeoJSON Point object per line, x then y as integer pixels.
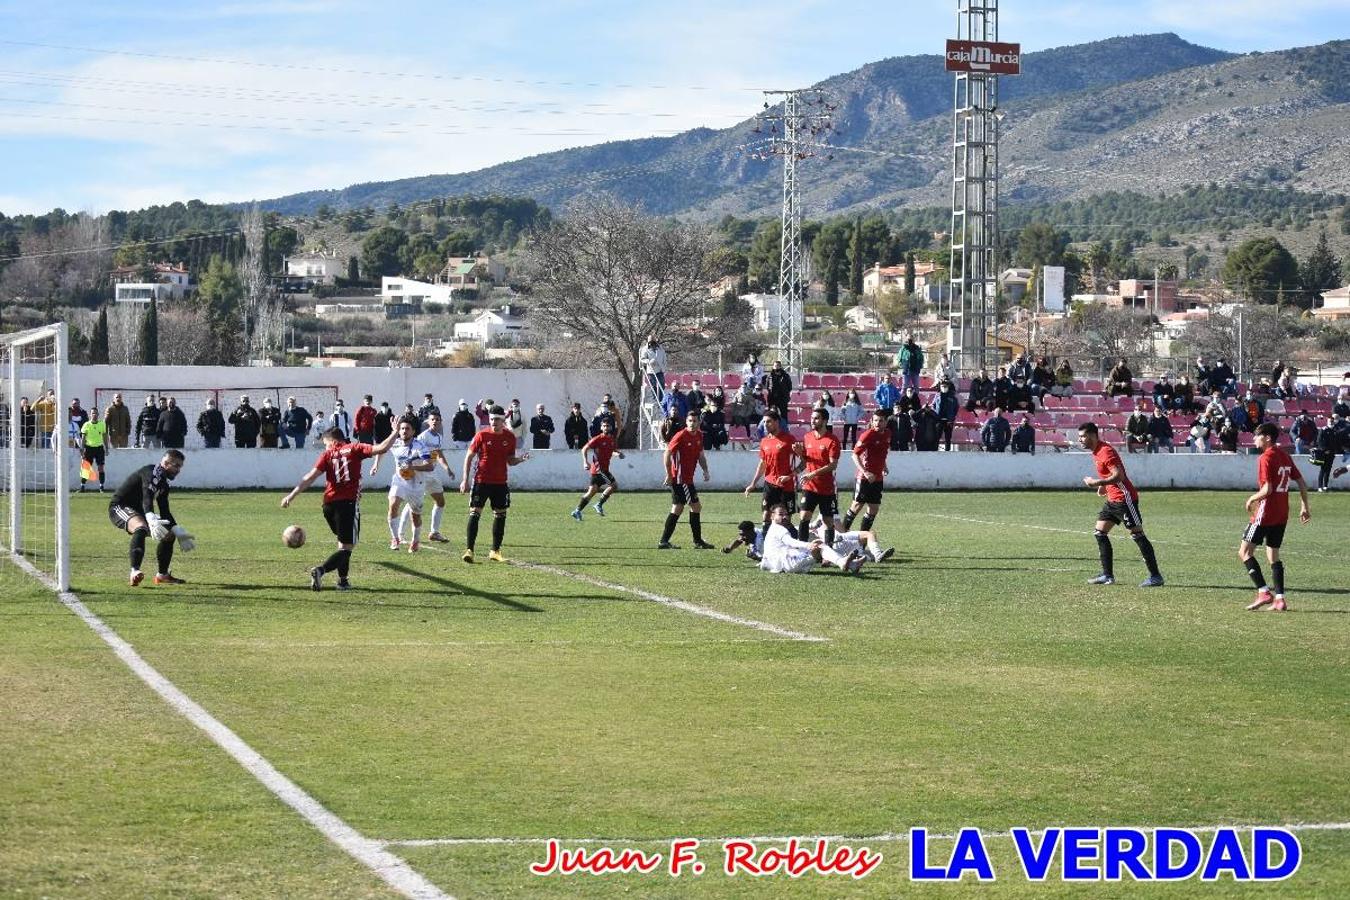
{"type": "Point", "coordinates": [996, 433]}
{"type": "Point", "coordinates": [269, 424]}
{"type": "Point", "coordinates": [541, 429]}
{"type": "Point", "coordinates": [147, 433]}
{"type": "Point", "coordinates": [296, 422]}
{"type": "Point", "coordinates": [780, 390]}
{"type": "Point", "coordinates": [341, 420]}
{"type": "Point", "coordinates": [887, 394]}
{"type": "Point", "coordinates": [464, 426]}
{"type": "Point", "coordinates": [1024, 437]}
{"type": "Point", "coordinates": [909, 362]}
{"type": "Point", "coordinates": [211, 425]}
{"type": "Point", "coordinates": [363, 423]}
{"type": "Point", "coordinates": [117, 422]}
{"type": "Point", "coordinates": [384, 422]}
{"type": "Point", "coordinates": [944, 407]}
{"type": "Point", "coordinates": [172, 426]}
{"type": "Point", "coordinates": [246, 423]}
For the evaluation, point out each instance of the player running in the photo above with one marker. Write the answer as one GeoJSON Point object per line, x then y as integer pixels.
{"type": "Point", "coordinates": [434, 442]}
{"type": "Point", "coordinates": [778, 453]}
{"type": "Point", "coordinates": [595, 456]}
{"type": "Point", "coordinates": [412, 462]}
{"type": "Point", "coordinates": [783, 552]}
{"type": "Point", "coordinates": [131, 510]}
{"type": "Point", "coordinates": [1269, 508]}
{"type": "Point", "coordinates": [1121, 507]}
{"type": "Point", "coordinates": [820, 450]}
{"type": "Point", "coordinates": [340, 464]}
{"type": "Point", "coordinates": [683, 453]}
{"type": "Point", "coordinates": [495, 449]}
{"type": "Point", "coordinates": [869, 453]}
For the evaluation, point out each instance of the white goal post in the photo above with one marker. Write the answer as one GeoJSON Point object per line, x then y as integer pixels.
{"type": "Point", "coordinates": [37, 452]}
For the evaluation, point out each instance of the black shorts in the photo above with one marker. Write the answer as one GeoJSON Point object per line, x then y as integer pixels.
{"type": "Point", "coordinates": [867, 491]}
{"type": "Point", "coordinates": [828, 504]}
{"type": "Point", "coordinates": [94, 454]}
{"type": "Point", "coordinates": [1126, 513]}
{"type": "Point", "coordinates": [498, 496]}
{"type": "Point", "coordinates": [603, 479]}
{"type": "Point", "coordinates": [120, 515]}
{"type": "Point", "coordinates": [1270, 535]}
{"type": "Point", "coordinates": [773, 496]}
{"type": "Point", "coordinates": [683, 494]}
{"type": "Point", "coordinates": [344, 519]}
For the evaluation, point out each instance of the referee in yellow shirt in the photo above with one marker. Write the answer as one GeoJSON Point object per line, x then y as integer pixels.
{"type": "Point", "coordinates": [92, 434]}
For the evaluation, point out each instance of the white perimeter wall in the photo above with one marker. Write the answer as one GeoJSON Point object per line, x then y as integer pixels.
{"type": "Point", "coordinates": [641, 470]}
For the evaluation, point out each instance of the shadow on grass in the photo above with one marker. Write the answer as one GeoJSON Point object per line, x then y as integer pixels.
{"type": "Point", "coordinates": [462, 588]}
{"type": "Point", "coordinates": [1342, 592]}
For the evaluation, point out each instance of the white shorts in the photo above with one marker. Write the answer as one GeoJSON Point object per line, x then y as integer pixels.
{"type": "Point", "coordinates": [796, 563]}
{"type": "Point", "coordinates": [410, 492]}
{"type": "Point", "coordinates": [431, 483]}
{"type": "Point", "coordinates": [846, 542]}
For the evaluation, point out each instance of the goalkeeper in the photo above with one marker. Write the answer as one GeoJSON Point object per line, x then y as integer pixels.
{"type": "Point", "coordinates": [132, 510]}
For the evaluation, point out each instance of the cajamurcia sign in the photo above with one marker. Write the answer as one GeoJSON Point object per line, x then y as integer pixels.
{"type": "Point", "coordinates": [984, 57]}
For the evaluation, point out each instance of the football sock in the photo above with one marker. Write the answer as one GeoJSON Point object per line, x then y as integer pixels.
{"type": "Point", "coordinates": [829, 535]}
{"type": "Point", "coordinates": [417, 532]}
{"type": "Point", "coordinates": [395, 527]}
{"type": "Point", "coordinates": [581, 504]}
{"type": "Point", "coordinates": [498, 531]}
{"type": "Point", "coordinates": [696, 527]}
{"type": "Point", "coordinates": [164, 556]}
{"type": "Point", "coordinates": [138, 547]}
{"type": "Point", "coordinates": [1105, 552]}
{"type": "Point", "coordinates": [403, 520]}
{"type": "Point", "coordinates": [1146, 551]}
{"type": "Point", "coordinates": [436, 513]}
{"type": "Point", "coordinates": [832, 556]}
{"type": "Point", "coordinates": [1277, 573]}
{"type": "Point", "coordinates": [603, 497]}
{"type": "Point", "coordinates": [873, 546]}
{"type": "Point", "coordinates": [868, 522]}
{"type": "Point", "coordinates": [1254, 572]}
{"type": "Point", "coordinates": [804, 529]}
{"type": "Point", "coordinates": [671, 519]}
{"type": "Point", "coordinates": [337, 562]}
{"type": "Point", "coordinates": [848, 519]}
{"type": "Point", "coordinates": [472, 530]}
{"type": "Point", "coordinates": [344, 563]}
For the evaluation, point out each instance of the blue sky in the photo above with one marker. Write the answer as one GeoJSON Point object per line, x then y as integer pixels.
{"type": "Point", "coordinates": [119, 105]}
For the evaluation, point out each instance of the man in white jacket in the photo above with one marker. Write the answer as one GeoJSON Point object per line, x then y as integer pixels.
{"type": "Point", "coordinates": [653, 360]}
{"type": "Point", "coordinates": [784, 553]}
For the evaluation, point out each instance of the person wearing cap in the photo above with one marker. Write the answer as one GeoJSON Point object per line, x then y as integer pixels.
{"type": "Point", "coordinates": [541, 429]}
{"type": "Point", "coordinates": [576, 429]}
{"type": "Point", "coordinates": [515, 420]}
{"type": "Point", "coordinates": [211, 425]}
{"type": "Point", "coordinates": [462, 426]}
{"type": "Point", "coordinates": [495, 450]}
{"type": "Point", "coordinates": [246, 424]}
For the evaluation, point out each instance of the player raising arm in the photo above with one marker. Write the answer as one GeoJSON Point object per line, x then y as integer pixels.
{"type": "Point", "coordinates": [1269, 508]}
{"type": "Point", "coordinates": [131, 509]}
{"type": "Point", "coordinates": [495, 449]}
{"type": "Point", "coordinates": [340, 464]}
{"type": "Point", "coordinates": [411, 461]}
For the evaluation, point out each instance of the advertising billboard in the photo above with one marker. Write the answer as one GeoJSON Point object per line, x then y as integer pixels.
{"type": "Point", "coordinates": [1052, 282]}
{"type": "Point", "coordinates": [984, 57]}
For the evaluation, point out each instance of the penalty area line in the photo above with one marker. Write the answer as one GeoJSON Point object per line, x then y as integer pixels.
{"type": "Point", "coordinates": [889, 837]}
{"type": "Point", "coordinates": [391, 869]}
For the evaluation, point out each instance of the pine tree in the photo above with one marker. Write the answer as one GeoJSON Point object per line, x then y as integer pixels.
{"type": "Point", "coordinates": [832, 274]}
{"type": "Point", "coordinates": [855, 260]}
{"type": "Point", "coordinates": [98, 347]}
{"type": "Point", "coordinates": [150, 336]}
{"type": "Point", "coordinates": [1321, 271]}
{"type": "Point", "coordinates": [909, 274]}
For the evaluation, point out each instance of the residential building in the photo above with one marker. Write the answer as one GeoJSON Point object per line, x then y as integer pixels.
{"type": "Point", "coordinates": [472, 272]}
{"type": "Point", "coordinates": [767, 311]}
{"type": "Point", "coordinates": [862, 318]}
{"type": "Point", "coordinates": [489, 325]}
{"type": "Point", "coordinates": [878, 277]}
{"type": "Point", "coordinates": [316, 268]}
{"type": "Point", "coordinates": [1138, 293]}
{"type": "Point", "coordinates": [1335, 305]}
{"type": "Point", "coordinates": [157, 281]}
{"type": "Point", "coordinates": [405, 296]}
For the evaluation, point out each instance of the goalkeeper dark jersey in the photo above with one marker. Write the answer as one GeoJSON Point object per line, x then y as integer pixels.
{"type": "Point", "coordinates": [146, 486]}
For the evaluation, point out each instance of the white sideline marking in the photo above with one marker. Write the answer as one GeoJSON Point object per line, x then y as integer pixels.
{"type": "Point", "coordinates": [266, 644]}
{"type": "Point", "coordinates": [889, 837]}
{"type": "Point", "coordinates": [684, 605]}
{"type": "Point", "coordinates": [370, 853]}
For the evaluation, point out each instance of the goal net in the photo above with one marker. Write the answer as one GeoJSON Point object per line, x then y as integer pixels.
{"type": "Point", "coordinates": [36, 454]}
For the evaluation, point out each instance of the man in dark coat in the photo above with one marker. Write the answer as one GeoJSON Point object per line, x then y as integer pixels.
{"type": "Point", "coordinates": [147, 433]}
{"type": "Point", "coordinates": [172, 426]}
{"type": "Point", "coordinates": [295, 424]}
{"type": "Point", "coordinates": [211, 425]}
{"type": "Point", "coordinates": [463, 426]}
{"type": "Point", "coordinates": [780, 389]}
{"type": "Point", "coordinates": [541, 429]}
{"type": "Point", "coordinates": [384, 422]}
{"type": "Point", "coordinates": [246, 424]}
{"type": "Point", "coordinates": [576, 429]}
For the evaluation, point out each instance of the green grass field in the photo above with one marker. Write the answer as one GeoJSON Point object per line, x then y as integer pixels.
{"type": "Point", "coordinates": [974, 680]}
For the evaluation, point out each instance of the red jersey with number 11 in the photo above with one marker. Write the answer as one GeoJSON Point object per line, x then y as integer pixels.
{"type": "Point", "coordinates": [1275, 468]}
{"type": "Point", "coordinates": [341, 465]}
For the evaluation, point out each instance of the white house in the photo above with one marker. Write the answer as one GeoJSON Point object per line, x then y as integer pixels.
{"type": "Point", "coordinates": [316, 268]}
{"type": "Point", "coordinates": [862, 319]}
{"type": "Point", "coordinates": [1335, 305]}
{"type": "Point", "coordinates": [767, 310]}
{"type": "Point", "coordinates": [410, 292]}
{"type": "Point", "coordinates": [489, 325]}
{"type": "Point", "coordinates": [472, 272]}
{"type": "Point", "coordinates": [878, 277]}
{"type": "Point", "coordinates": [167, 282]}
{"type": "Point", "coordinates": [143, 292]}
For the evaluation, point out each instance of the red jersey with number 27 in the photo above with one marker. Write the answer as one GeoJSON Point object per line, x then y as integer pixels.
{"type": "Point", "coordinates": [494, 450]}
{"type": "Point", "coordinates": [341, 465]}
{"type": "Point", "coordinates": [685, 448]}
{"type": "Point", "coordinates": [1275, 468]}
{"type": "Point", "coordinates": [1106, 458]}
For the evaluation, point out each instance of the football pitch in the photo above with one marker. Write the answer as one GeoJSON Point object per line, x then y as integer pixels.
{"type": "Point", "coordinates": [610, 694]}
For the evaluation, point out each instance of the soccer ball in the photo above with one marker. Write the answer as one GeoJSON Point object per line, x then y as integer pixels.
{"type": "Point", "coordinates": [293, 537]}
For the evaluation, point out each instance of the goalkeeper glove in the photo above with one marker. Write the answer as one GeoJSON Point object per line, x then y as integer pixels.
{"type": "Point", "coordinates": [185, 539]}
{"type": "Point", "coordinates": [159, 528]}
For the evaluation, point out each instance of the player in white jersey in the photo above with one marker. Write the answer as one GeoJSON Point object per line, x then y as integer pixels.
{"type": "Point", "coordinates": [411, 461]}
{"type": "Point", "coordinates": [750, 537]}
{"type": "Point", "coordinates": [850, 541]}
{"type": "Point", "coordinates": [784, 553]}
{"type": "Point", "coordinates": [434, 442]}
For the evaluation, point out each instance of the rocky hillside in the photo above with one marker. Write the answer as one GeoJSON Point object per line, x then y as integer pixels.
{"type": "Point", "coordinates": [1150, 113]}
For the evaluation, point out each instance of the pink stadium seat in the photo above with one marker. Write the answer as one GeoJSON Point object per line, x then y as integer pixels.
{"type": "Point", "coordinates": [811, 380]}
{"type": "Point", "coordinates": [833, 382]}
{"type": "Point", "coordinates": [731, 381]}
{"type": "Point", "coordinates": [867, 383]}
{"type": "Point", "coordinates": [963, 386]}
{"type": "Point", "coordinates": [848, 381]}
{"type": "Point", "coordinates": [1092, 386]}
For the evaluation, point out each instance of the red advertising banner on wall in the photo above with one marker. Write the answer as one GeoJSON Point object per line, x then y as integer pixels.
{"type": "Point", "coordinates": [984, 57]}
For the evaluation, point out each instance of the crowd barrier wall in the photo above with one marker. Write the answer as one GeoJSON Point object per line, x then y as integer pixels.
{"type": "Point", "coordinates": [730, 470]}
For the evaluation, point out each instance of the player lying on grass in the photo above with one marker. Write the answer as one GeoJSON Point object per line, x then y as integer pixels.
{"type": "Point", "coordinates": [749, 537]}
{"type": "Point", "coordinates": [131, 509]}
{"type": "Point", "coordinates": [1269, 508]}
{"type": "Point", "coordinates": [783, 552]}
{"type": "Point", "coordinates": [846, 542]}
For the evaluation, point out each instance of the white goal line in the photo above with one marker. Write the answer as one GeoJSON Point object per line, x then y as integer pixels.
{"type": "Point", "coordinates": [889, 837]}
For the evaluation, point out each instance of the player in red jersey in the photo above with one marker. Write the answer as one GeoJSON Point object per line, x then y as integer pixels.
{"type": "Point", "coordinates": [778, 453]}
{"type": "Point", "coordinates": [682, 455]}
{"type": "Point", "coordinates": [340, 464]}
{"type": "Point", "coordinates": [1121, 507]}
{"type": "Point", "coordinates": [869, 453]}
{"type": "Point", "coordinates": [595, 458]}
{"type": "Point", "coordinates": [820, 450]}
{"type": "Point", "coordinates": [1269, 508]}
{"type": "Point", "coordinates": [495, 448]}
